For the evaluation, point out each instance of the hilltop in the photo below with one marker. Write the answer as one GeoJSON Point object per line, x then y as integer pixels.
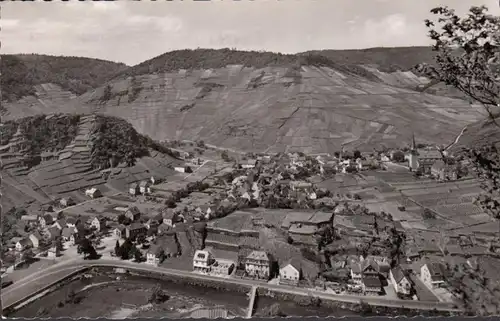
{"type": "Point", "coordinates": [262, 101]}
{"type": "Point", "coordinates": [22, 73]}
{"type": "Point", "coordinates": [47, 156]}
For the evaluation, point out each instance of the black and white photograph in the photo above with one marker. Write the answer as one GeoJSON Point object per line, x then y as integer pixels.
{"type": "Point", "coordinates": [250, 159]}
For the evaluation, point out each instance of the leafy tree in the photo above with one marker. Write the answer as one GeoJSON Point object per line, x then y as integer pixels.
{"type": "Point", "coordinates": [58, 244]}
{"type": "Point", "coordinates": [138, 257]}
{"type": "Point", "coordinates": [398, 156]}
{"type": "Point", "coordinates": [158, 295]}
{"type": "Point", "coordinates": [87, 249]}
{"type": "Point", "coordinates": [27, 255]}
{"type": "Point", "coordinates": [117, 248]}
{"type": "Point", "coordinates": [467, 53]}
{"type": "Point", "coordinates": [141, 238]}
{"type": "Point", "coordinates": [468, 58]}
{"type": "Point", "coordinates": [357, 154]}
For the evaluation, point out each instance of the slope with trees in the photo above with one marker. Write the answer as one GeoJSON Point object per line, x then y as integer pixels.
{"type": "Point", "coordinates": [20, 73]}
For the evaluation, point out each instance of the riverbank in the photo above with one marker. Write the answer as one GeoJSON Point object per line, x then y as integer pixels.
{"type": "Point", "coordinates": [126, 293]}
{"type": "Point", "coordinates": [115, 295]}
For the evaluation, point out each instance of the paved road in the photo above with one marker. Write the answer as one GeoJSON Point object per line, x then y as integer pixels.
{"type": "Point", "coordinates": [41, 279]}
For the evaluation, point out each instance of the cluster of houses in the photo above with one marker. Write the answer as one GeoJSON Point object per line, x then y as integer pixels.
{"type": "Point", "coordinates": [343, 162]}
{"type": "Point", "coordinates": [256, 265]}
{"type": "Point", "coordinates": [143, 187]}
{"type": "Point", "coordinates": [426, 161]}
{"type": "Point", "coordinates": [50, 228]}
{"type": "Point", "coordinates": [372, 273]}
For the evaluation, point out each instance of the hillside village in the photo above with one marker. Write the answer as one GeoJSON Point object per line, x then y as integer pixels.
{"type": "Point", "coordinates": [393, 224]}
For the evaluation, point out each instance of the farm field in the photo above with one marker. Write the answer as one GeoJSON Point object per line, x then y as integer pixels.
{"type": "Point", "coordinates": [107, 206]}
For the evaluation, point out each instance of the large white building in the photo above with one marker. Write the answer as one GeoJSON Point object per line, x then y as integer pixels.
{"type": "Point", "coordinates": [202, 261]}
{"type": "Point", "coordinates": [432, 274]}
{"type": "Point", "coordinates": [290, 272]}
{"type": "Point", "coordinates": [258, 264]}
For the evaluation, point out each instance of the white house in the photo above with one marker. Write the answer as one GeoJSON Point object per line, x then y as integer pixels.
{"type": "Point", "coordinates": [133, 189]}
{"type": "Point", "coordinates": [400, 281]}
{"type": "Point", "coordinates": [53, 252]}
{"type": "Point", "coordinates": [35, 238]}
{"type": "Point", "coordinates": [66, 201]}
{"type": "Point", "coordinates": [202, 260]}
{"type": "Point", "coordinates": [183, 169]}
{"type": "Point", "coordinates": [169, 217]}
{"type": "Point", "coordinates": [290, 272]}
{"type": "Point", "coordinates": [355, 270]}
{"type": "Point", "coordinates": [432, 274]}
{"type": "Point", "coordinates": [98, 222]}
{"type": "Point", "coordinates": [205, 210]}
{"type": "Point", "coordinates": [23, 244]}
{"type": "Point", "coordinates": [145, 187]}
{"type": "Point", "coordinates": [249, 163]}
{"type": "Point", "coordinates": [93, 192]}
{"type": "Point", "coordinates": [45, 220]}
{"type": "Point", "coordinates": [258, 264]}
{"type": "Point", "coordinates": [155, 255]}
{"type": "Point", "coordinates": [154, 180]}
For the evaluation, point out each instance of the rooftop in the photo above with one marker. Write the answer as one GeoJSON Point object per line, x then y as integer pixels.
{"type": "Point", "coordinates": [258, 255]}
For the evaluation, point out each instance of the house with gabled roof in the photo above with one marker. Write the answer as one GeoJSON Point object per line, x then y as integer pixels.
{"type": "Point", "coordinates": [169, 217]}
{"type": "Point", "coordinates": [23, 244]}
{"type": "Point", "coordinates": [206, 210]}
{"type": "Point", "coordinates": [248, 164]}
{"type": "Point", "coordinates": [258, 265]}
{"type": "Point", "coordinates": [432, 274]}
{"type": "Point", "coordinates": [155, 255]}
{"type": "Point", "coordinates": [145, 187]}
{"type": "Point", "coordinates": [133, 189]}
{"type": "Point", "coordinates": [71, 221]}
{"type": "Point", "coordinates": [93, 192]}
{"type": "Point", "coordinates": [133, 213]}
{"type": "Point", "coordinates": [67, 201]}
{"type": "Point", "coordinates": [66, 233]}
{"type": "Point", "coordinates": [99, 222]}
{"type": "Point", "coordinates": [54, 232]}
{"type": "Point", "coordinates": [290, 272]}
{"type": "Point", "coordinates": [119, 231]}
{"type": "Point", "coordinates": [135, 229]}
{"type": "Point", "coordinates": [35, 238]}
{"type": "Point", "coordinates": [371, 285]}
{"type": "Point", "coordinates": [202, 260]}
{"type": "Point", "coordinates": [45, 220]}
{"type": "Point", "coordinates": [60, 224]}
{"type": "Point", "coordinates": [400, 281]}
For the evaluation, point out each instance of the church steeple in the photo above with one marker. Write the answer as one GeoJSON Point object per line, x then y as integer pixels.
{"type": "Point", "coordinates": [413, 144]}
{"type": "Point", "coordinates": [413, 148]}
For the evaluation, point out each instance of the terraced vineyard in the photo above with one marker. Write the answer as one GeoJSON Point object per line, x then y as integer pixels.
{"type": "Point", "coordinates": [70, 170]}
{"type": "Point", "coordinates": [275, 108]}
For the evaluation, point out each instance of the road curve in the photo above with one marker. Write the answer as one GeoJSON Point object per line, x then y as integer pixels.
{"type": "Point", "coordinates": [37, 281]}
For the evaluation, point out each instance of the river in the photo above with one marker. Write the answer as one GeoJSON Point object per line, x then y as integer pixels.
{"type": "Point", "coordinates": [121, 296]}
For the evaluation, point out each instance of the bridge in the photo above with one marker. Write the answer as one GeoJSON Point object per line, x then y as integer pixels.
{"type": "Point", "coordinates": [251, 303]}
